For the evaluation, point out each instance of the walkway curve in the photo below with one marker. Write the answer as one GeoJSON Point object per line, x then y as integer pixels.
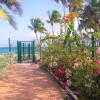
{"type": "Point", "coordinates": [29, 82]}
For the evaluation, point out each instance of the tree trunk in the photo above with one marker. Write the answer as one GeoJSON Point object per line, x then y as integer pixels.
{"type": "Point", "coordinates": [37, 38]}
{"type": "Point", "coordinates": [52, 29]}
{"type": "Point", "coordinates": [60, 29]}
{"type": "Point", "coordinates": [40, 50]}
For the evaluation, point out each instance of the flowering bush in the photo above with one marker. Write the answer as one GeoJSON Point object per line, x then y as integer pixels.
{"type": "Point", "coordinates": [76, 69]}
{"type": "Point", "coordinates": [63, 75]}
{"type": "Point", "coordinates": [98, 50]}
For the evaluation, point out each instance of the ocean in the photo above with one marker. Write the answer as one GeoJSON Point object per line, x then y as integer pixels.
{"type": "Point", "coordinates": [6, 49]}
{"type": "Point", "coordinates": [14, 49]}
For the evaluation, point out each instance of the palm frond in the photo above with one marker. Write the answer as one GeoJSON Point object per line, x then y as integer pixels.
{"type": "Point", "coordinates": [12, 23]}
{"type": "Point", "coordinates": [32, 22]}
{"type": "Point", "coordinates": [14, 5]}
{"type": "Point", "coordinates": [30, 27]}
{"type": "Point", "coordinates": [73, 3]}
{"type": "Point", "coordinates": [3, 14]}
{"type": "Point", "coordinates": [50, 37]}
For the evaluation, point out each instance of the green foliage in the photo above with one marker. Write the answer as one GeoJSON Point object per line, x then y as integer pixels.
{"type": "Point", "coordinates": [72, 37]}
{"type": "Point", "coordinates": [4, 62]}
{"type": "Point", "coordinates": [90, 16]}
{"type": "Point", "coordinates": [56, 17]}
{"type": "Point", "coordinates": [83, 77]}
{"type": "Point", "coordinates": [14, 6]}
{"type": "Point", "coordinates": [96, 35]}
{"type": "Point", "coordinates": [37, 25]}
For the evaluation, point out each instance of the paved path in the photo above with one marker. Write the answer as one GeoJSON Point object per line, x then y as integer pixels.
{"type": "Point", "coordinates": [29, 82]}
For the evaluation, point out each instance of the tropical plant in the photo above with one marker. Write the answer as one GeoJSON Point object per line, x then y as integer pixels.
{"type": "Point", "coordinates": [38, 26]}
{"type": "Point", "coordinates": [54, 17]}
{"type": "Point", "coordinates": [73, 5]}
{"type": "Point", "coordinates": [91, 16]}
{"type": "Point", "coordinates": [14, 6]}
{"type": "Point", "coordinates": [90, 20]}
{"type": "Point", "coordinates": [70, 3]}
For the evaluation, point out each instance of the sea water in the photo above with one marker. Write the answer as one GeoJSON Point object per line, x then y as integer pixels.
{"type": "Point", "coordinates": [6, 49]}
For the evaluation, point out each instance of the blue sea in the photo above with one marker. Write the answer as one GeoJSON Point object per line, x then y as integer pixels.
{"type": "Point", "coordinates": [6, 49]}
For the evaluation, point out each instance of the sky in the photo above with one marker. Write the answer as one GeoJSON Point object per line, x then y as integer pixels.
{"type": "Point", "coordinates": [31, 9]}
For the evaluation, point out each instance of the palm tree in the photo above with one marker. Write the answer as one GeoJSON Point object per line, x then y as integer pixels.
{"type": "Point", "coordinates": [54, 17]}
{"type": "Point", "coordinates": [38, 26]}
{"type": "Point", "coordinates": [14, 6]}
{"type": "Point", "coordinates": [91, 19]}
{"type": "Point", "coordinates": [70, 3]}
{"type": "Point", "coordinates": [91, 16]}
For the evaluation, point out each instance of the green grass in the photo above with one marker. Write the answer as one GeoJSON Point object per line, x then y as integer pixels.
{"type": "Point", "coordinates": [4, 62]}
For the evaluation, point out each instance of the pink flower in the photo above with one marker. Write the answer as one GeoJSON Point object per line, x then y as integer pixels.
{"type": "Point", "coordinates": [98, 71]}
{"type": "Point", "coordinates": [98, 62]}
{"type": "Point", "coordinates": [98, 50]}
{"type": "Point", "coordinates": [77, 64]}
{"type": "Point", "coordinates": [68, 73]}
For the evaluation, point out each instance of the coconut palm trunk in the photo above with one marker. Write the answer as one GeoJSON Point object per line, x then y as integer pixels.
{"type": "Point", "coordinates": [60, 29]}
{"type": "Point", "coordinates": [52, 29]}
{"type": "Point", "coordinates": [37, 38]}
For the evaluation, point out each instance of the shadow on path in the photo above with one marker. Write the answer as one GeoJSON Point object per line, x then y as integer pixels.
{"type": "Point", "coordinates": [29, 82]}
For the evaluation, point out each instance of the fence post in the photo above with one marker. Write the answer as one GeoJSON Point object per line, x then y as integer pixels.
{"type": "Point", "coordinates": [9, 45]}
{"type": "Point", "coordinates": [23, 50]}
{"type": "Point", "coordinates": [40, 50]}
{"type": "Point", "coordinates": [33, 51]}
{"type": "Point", "coordinates": [29, 51]}
{"type": "Point", "coordinates": [19, 52]}
{"type": "Point", "coordinates": [10, 49]}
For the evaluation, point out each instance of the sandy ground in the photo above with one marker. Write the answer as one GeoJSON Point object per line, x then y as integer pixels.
{"type": "Point", "coordinates": [29, 82]}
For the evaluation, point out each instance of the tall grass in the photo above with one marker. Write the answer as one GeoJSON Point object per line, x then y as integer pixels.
{"type": "Point", "coordinates": [5, 59]}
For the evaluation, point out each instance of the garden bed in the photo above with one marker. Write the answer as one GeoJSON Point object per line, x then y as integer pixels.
{"type": "Point", "coordinates": [70, 93]}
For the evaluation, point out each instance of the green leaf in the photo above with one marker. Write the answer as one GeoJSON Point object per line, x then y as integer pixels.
{"type": "Point", "coordinates": [96, 35]}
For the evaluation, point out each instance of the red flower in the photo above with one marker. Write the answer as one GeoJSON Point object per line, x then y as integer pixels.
{"type": "Point", "coordinates": [98, 71]}
{"type": "Point", "coordinates": [67, 83]}
{"type": "Point", "coordinates": [60, 73]}
{"type": "Point", "coordinates": [98, 62]}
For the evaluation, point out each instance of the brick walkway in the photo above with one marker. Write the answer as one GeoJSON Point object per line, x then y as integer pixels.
{"type": "Point", "coordinates": [29, 82]}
